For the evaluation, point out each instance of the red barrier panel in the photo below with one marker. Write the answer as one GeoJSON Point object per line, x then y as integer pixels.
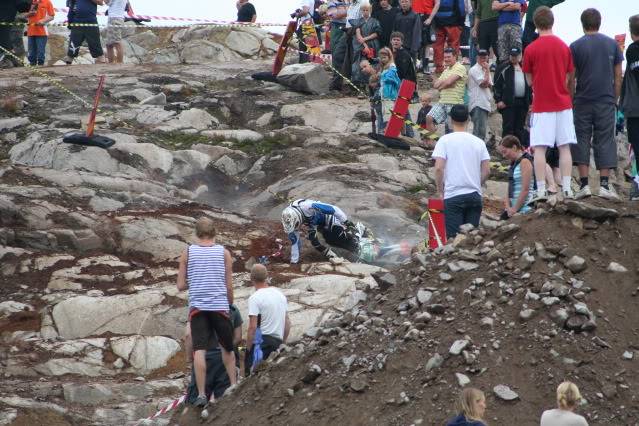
{"type": "Point", "coordinates": [396, 121]}
{"type": "Point", "coordinates": [436, 223]}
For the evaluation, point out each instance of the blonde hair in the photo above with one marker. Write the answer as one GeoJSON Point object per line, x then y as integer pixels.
{"type": "Point", "coordinates": [568, 395]}
{"type": "Point", "coordinates": [386, 51]}
{"type": "Point", "coordinates": [205, 228]}
{"type": "Point", "coordinates": [468, 403]}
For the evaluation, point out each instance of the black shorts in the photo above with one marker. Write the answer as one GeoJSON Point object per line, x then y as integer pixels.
{"type": "Point", "coordinates": [487, 35]}
{"type": "Point", "coordinates": [92, 37]}
{"type": "Point", "coordinates": [425, 30]}
{"type": "Point", "coordinates": [205, 323]}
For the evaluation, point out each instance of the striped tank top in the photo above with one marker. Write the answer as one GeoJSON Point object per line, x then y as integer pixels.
{"type": "Point", "coordinates": [517, 187]}
{"type": "Point", "coordinates": [206, 276]}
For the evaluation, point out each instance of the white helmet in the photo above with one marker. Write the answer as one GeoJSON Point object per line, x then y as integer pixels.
{"type": "Point", "coordinates": [291, 219]}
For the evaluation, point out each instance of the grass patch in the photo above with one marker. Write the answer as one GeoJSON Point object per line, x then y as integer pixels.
{"type": "Point", "coordinates": [416, 188]}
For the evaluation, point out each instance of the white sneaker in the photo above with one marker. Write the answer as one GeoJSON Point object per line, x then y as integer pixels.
{"type": "Point", "coordinates": [584, 192]}
{"type": "Point", "coordinates": [539, 196]}
{"type": "Point", "coordinates": [229, 391]}
{"type": "Point", "coordinates": [608, 194]}
{"type": "Point", "coordinates": [568, 195]}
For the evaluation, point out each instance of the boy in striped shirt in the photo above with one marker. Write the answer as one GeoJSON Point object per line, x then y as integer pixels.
{"type": "Point", "coordinates": [206, 270]}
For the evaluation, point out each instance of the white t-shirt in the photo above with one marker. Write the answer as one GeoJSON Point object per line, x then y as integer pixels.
{"type": "Point", "coordinates": [271, 303]}
{"type": "Point", "coordinates": [463, 153]}
{"type": "Point", "coordinates": [478, 96]}
{"type": "Point", "coordinates": [116, 8]}
{"type": "Point", "coordinates": [557, 417]}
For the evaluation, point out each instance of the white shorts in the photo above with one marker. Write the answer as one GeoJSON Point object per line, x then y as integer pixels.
{"type": "Point", "coordinates": [552, 128]}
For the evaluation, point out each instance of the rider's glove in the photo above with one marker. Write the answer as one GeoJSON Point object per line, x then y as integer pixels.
{"type": "Point", "coordinates": [330, 254]}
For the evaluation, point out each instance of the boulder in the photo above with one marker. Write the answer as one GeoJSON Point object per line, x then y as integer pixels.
{"type": "Point", "coordinates": [243, 43]}
{"type": "Point", "coordinates": [589, 211]}
{"type": "Point", "coordinates": [13, 123]}
{"type": "Point", "coordinates": [307, 78]}
{"type": "Point", "coordinates": [145, 353]}
{"type": "Point", "coordinates": [159, 99]}
{"type": "Point", "coordinates": [202, 51]}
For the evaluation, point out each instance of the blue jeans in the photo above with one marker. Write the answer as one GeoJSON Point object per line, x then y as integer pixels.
{"type": "Point", "coordinates": [465, 208]}
{"type": "Point", "coordinates": [37, 46]}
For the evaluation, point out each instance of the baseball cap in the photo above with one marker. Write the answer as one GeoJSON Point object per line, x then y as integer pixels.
{"type": "Point", "coordinates": [449, 50]}
{"type": "Point", "coordinates": [515, 51]}
{"type": "Point", "coordinates": [482, 52]}
{"type": "Point", "coordinates": [459, 113]}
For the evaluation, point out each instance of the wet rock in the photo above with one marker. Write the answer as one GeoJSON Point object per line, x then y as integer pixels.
{"type": "Point", "coordinates": [504, 393]}
{"type": "Point", "coordinates": [576, 264]}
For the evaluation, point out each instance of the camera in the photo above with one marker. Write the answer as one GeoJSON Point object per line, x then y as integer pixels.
{"type": "Point", "coordinates": [296, 13]}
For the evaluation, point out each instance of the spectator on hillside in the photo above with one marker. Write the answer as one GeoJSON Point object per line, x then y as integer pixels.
{"type": "Point", "coordinates": [304, 13]}
{"type": "Point", "coordinates": [17, 40]}
{"type": "Point", "coordinates": [217, 380]}
{"type": "Point", "coordinates": [509, 26]}
{"type": "Point", "coordinates": [485, 26]}
{"type": "Point", "coordinates": [269, 324]}
{"type": "Point", "coordinates": [549, 69]}
{"type": "Point", "coordinates": [389, 82]}
{"type": "Point", "coordinates": [40, 15]}
{"type": "Point", "coordinates": [461, 168]}
{"type": "Point", "coordinates": [597, 61]}
{"type": "Point", "coordinates": [452, 86]}
{"type": "Point", "coordinates": [425, 99]}
{"type": "Point", "coordinates": [8, 11]}
{"type": "Point", "coordinates": [343, 51]}
{"type": "Point", "coordinates": [521, 177]}
{"type": "Point", "coordinates": [426, 9]}
{"type": "Point", "coordinates": [568, 398]}
{"type": "Point", "coordinates": [479, 84]}
{"type": "Point", "coordinates": [245, 11]}
{"type": "Point", "coordinates": [449, 21]}
{"type": "Point", "coordinates": [377, 4]}
{"type": "Point", "coordinates": [84, 12]}
{"type": "Point", "coordinates": [115, 50]}
{"type": "Point", "coordinates": [385, 15]}
{"type": "Point", "coordinates": [409, 23]}
{"type": "Point", "coordinates": [205, 269]}
{"type": "Point", "coordinates": [472, 407]}
{"type": "Point", "coordinates": [629, 103]}
{"type": "Point", "coordinates": [405, 70]}
{"type": "Point", "coordinates": [530, 34]}
{"type": "Point", "coordinates": [337, 13]}
{"type": "Point", "coordinates": [373, 93]}
{"type": "Point", "coordinates": [365, 43]}
{"type": "Point", "coordinates": [513, 96]}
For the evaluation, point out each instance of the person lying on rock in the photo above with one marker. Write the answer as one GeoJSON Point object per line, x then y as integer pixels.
{"type": "Point", "coordinates": [328, 220]}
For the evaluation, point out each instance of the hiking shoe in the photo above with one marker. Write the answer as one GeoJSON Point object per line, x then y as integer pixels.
{"type": "Point", "coordinates": [201, 401]}
{"type": "Point", "coordinates": [67, 60]}
{"type": "Point", "coordinates": [608, 194]}
{"type": "Point", "coordinates": [634, 191]}
{"type": "Point", "coordinates": [584, 192]}
{"type": "Point", "coordinates": [539, 196]}
{"type": "Point", "coordinates": [568, 195]}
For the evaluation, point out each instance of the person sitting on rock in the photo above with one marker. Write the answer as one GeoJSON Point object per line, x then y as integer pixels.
{"type": "Point", "coordinates": [472, 406]}
{"type": "Point", "coordinates": [329, 220]}
{"type": "Point", "coordinates": [568, 397]}
{"type": "Point", "coordinates": [269, 324]}
{"type": "Point", "coordinates": [217, 380]}
{"type": "Point", "coordinates": [206, 270]}
{"type": "Point", "coordinates": [521, 177]}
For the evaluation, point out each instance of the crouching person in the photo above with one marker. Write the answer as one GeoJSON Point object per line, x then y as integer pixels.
{"type": "Point", "coordinates": [269, 324]}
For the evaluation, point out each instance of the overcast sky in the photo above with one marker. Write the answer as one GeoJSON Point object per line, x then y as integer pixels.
{"type": "Point", "coordinates": [567, 25]}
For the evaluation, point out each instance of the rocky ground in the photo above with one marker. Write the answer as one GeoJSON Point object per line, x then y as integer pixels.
{"type": "Point", "coordinates": [91, 322]}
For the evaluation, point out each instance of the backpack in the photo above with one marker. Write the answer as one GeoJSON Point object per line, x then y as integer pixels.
{"type": "Point", "coordinates": [451, 12]}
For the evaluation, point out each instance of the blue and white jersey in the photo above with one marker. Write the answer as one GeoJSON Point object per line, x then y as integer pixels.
{"type": "Point", "coordinates": [316, 215]}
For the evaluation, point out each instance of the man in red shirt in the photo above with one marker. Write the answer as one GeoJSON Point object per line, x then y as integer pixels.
{"type": "Point", "coordinates": [427, 10]}
{"type": "Point", "coordinates": [40, 14]}
{"type": "Point", "coordinates": [550, 71]}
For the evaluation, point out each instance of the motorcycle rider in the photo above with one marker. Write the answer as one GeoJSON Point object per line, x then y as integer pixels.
{"type": "Point", "coordinates": [328, 220]}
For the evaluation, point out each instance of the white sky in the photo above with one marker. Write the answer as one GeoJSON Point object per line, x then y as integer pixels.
{"type": "Point", "coordinates": [567, 25]}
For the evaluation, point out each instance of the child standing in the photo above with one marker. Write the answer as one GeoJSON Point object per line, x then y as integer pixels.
{"type": "Point", "coordinates": [40, 14]}
{"type": "Point", "coordinates": [424, 110]}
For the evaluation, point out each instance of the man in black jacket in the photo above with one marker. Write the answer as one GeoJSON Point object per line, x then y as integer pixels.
{"type": "Point", "coordinates": [405, 70]}
{"type": "Point", "coordinates": [513, 96]}
{"type": "Point", "coordinates": [8, 11]}
{"type": "Point", "coordinates": [385, 14]}
{"type": "Point", "coordinates": [629, 103]}
{"type": "Point", "coordinates": [409, 23]}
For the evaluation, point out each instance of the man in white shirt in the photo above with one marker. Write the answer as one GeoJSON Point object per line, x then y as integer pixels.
{"type": "Point", "coordinates": [267, 310]}
{"type": "Point", "coordinates": [461, 168]}
{"type": "Point", "coordinates": [479, 84]}
{"type": "Point", "coordinates": [115, 52]}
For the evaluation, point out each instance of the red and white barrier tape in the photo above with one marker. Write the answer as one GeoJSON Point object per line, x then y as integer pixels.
{"type": "Point", "coordinates": [172, 406]}
{"type": "Point", "coordinates": [200, 20]}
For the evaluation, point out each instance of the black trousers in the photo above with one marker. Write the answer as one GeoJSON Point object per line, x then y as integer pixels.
{"type": "Point", "coordinates": [513, 121]}
{"type": "Point", "coordinates": [632, 124]}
